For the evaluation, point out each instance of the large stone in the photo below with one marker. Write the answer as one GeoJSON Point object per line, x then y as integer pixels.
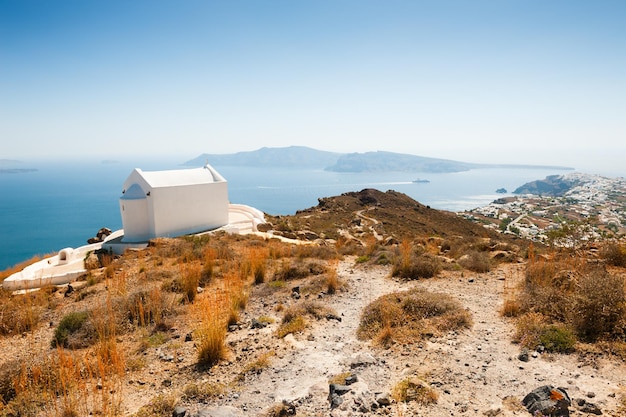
{"type": "Point", "coordinates": [548, 401]}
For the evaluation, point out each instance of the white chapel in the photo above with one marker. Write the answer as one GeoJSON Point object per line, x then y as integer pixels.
{"type": "Point", "coordinates": [173, 203]}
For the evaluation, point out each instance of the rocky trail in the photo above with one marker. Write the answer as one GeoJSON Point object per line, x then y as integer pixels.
{"type": "Point", "coordinates": [475, 372]}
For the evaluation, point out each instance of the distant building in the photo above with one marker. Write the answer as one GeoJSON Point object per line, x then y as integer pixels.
{"type": "Point", "coordinates": [173, 203]}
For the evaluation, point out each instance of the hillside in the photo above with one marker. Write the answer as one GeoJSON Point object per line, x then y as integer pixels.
{"type": "Point", "coordinates": [369, 303]}
{"type": "Point", "coordinates": [399, 217]}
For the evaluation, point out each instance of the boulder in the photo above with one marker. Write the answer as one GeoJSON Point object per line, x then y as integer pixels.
{"type": "Point", "coordinates": [548, 401]}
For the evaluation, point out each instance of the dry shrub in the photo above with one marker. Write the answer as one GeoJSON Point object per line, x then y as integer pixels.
{"type": "Point", "coordinates": [414, 389]}
{"type": "Point", "coordinates": [511, 308]}
{"type": "Point", "coordinates": [534, 329]}
{"type": "Point", "coordinates": [410, 315]}
{"type": "Point", "coordinates": [547, 289]}
{"type": "Point", "coordinates": [256, 367]}
{"type": "Point", "coordinates": [293, 320]}
{"type": "Point", "coordinates": [332, 279]}
{"type": "Point", "coordinates": [290, 271]}
{"type": "Point", "coordinates": [476, 261]}
{"type": "Point", "coordinates": [211, 334]}
{"type": "Point", "coordinates": [614, 254]}
{"type": "Point", "coordinates": [203, 392]}
{"type": "Point", "coordinates": [190, 275]}
{"type": "Point", "coordinates": [160, 406]}
{"type": "Point", "coordinates": [584, 297]}
{"type": "Point", "coordinates": [415, 267]}
{"type": "Point", "coordinates": [528, 330]}
{"type": "Point", "coordinates": [600, 306]}
{"type": "Point", "coordinates": [20, 312]}
{"type": "Point", "coordinates": [147, 307]}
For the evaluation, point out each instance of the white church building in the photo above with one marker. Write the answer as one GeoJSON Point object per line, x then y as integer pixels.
{"type": "Point", "coordinates": [173, 203]}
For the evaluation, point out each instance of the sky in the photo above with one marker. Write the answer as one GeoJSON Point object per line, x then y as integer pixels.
{"type": "Point", "coordinates": [513, 81]}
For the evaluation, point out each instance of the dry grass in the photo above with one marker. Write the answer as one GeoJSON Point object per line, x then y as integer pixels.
{"type": "Point", "coordinates": [414, 264]}
{"type": "Point", "coordinates": [294, 321]}
{"type": "Point", "coordinates": [414, 389]}
{"type": "Point", "coordinates": [575, 295]}
{"type": "Point", "coordinates": [211, 334]}
{"type": "Point", "coordinates": [411, 315]}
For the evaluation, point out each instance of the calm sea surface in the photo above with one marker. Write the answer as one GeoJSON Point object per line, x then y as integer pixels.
{"type": "Point", "coordinates": [63, 204]}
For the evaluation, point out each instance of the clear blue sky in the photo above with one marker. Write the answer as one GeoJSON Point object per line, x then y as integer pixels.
{"type": "Point", "coordinates": [528, 81]}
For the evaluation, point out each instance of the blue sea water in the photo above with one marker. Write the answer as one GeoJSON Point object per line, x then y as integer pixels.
{"type": "Point", "coordinates": [62, 204]}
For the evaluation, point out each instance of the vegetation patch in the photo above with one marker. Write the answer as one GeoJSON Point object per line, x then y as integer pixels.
{"type": "Point", "coordinates": [411, 315]}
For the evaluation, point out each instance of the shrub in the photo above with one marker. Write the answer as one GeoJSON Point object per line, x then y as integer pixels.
{"type": "Point", "coordinates": [408, 315]}
{"type": "Point", "coordinates": [422, 266]}
{"type": "Point", "coordinates": [414, 389]}
{"type": "Point", "coordinates": [159, 406]}
{"type": "Point", "coordinates": [529, 328]}
{"type": "Point", "coordinates": [476, 261]}
{"type": "Point", "coordinates": [74, 331]}
{"type": "Point", "coordinates": [557, 338]}
{"type": "Point", "coordinates": [600, 305]}
{"type": "Point", "coordinates": [615, 254]}
{"type": "Point", "coordinates": [211, 335]}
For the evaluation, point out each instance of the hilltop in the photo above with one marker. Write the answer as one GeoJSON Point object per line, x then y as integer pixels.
{"type": "Point", "coordinates": [369, 303]}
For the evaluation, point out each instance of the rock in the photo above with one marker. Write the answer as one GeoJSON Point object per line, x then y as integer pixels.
{"type": "Point", "coordinates": [179, 412]}
{"type": "Point", "coordinates": [524, 355]}
{"type": "Point", "coordinates": [548, 401]}
{"type": "Point", "coordinates": [224, 411]}
{"type": "Point", "coordinates": [362, 359]}
{"type": "Point", "coordinates": [92, 261]}
{"type": "Point", "coordinates": [383, 399]}
{"type": "Point", "coordinates": [351, 379]}
{"type": "Point", "coordinates": [264, 227]}
{"type": "Point", "coordinates": [493, 411]}
{"type": "Point", "coordinates": [335, 393]}
{"type": "Point", "coordinates": [257, 324]}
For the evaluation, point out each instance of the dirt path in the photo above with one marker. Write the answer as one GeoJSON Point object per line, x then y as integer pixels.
{"type": "Point", "coordinates": [476, 372]}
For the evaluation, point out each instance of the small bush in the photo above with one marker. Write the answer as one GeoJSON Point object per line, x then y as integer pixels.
{"type": "Point", "coordinates": [511, 308]}
{"type": "Point", "coordinates": [409, 315]}
{"type": "Point", "coordinates": [600, 305]}
{"type": "Point", "coordinates": [476, 261]}
{"type": "Point", "coordinates": [160, 406]}
{"type": "Point", "coordinates": [414, 389]}
{"type": "Point", "coordinates": [422, 266]}
{"type": "Point", "coordinates": [529, 328]}
{"type": "Point", "coordinates": [615, 254]}
{"type": "Point", "coordinates": [73, 331]}
{"type": "Point", "coordinates": [557, 338]}
{"type": "Point", "coordinates": [295, 325]}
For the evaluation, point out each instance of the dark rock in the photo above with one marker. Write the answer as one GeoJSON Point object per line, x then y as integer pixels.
{"type": "Point", "coordinates": [331, 316]}
{"type": "Point", "coordinates": [339, 389]}
{"type": "Point", "coordinates": [351, 379]}
{"type": "Point", "coordinates": [591, 408]}
{"type": "Point", "coordinates": [188, 337]}
{"type": "Point", "coordinates": [383, 399]}
{"type": "Point", "coordinates": [69, 290]}
{"type": "Point", "coordinates": [549, 401]}
{"type": "Point", "coordinates": [264, 227]}
{"type": "Point", "coordinates": [257, 324]}
{"type": "Point", "coordinates": [524, 355]}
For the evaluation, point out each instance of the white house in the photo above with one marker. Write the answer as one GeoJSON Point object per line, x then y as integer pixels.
{"type": "Point", "coordinates": [172, 203]}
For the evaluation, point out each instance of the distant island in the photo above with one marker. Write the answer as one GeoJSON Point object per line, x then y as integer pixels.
{"type": "Point", "coordinates": [8, 166]}
{"type": "Point", "coordinates": [552, 185]}
{"type": "Point", "coordinates": [380, 161]}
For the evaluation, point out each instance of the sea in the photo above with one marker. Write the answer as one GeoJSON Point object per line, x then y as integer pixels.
{"type": "Point", "coordinates": [64, 203]}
